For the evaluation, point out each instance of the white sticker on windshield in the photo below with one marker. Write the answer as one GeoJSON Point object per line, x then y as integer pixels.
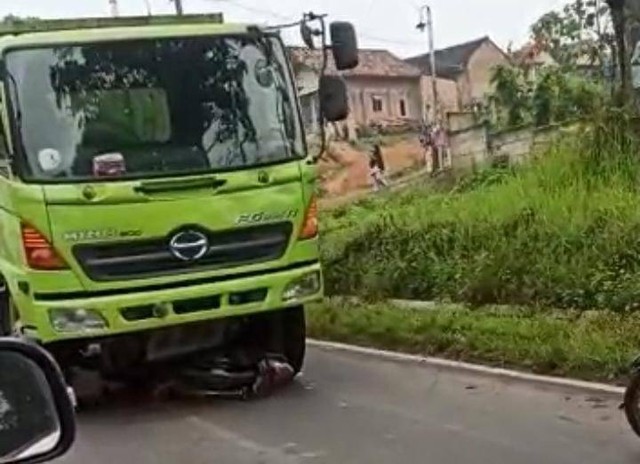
{"type": "Point", "coordinates": [49, 159]}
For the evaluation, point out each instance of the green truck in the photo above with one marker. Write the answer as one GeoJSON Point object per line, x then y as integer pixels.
{"type": "Point", "coordinates": [156, 190]}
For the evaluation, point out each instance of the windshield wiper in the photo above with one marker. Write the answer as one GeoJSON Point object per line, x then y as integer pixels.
{"type": "Point", "coordinates": [179, 185]}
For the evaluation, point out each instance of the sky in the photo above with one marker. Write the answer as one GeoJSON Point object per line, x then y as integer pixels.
{"type": "Point", "coordinates": [388, 24]}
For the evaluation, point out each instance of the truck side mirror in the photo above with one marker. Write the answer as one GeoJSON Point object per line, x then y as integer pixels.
{"type": "Point", "coordinates": [37, 422]}
{"type": "Point", "coordinates": [334, 103]}
{"type": "Point", "coordinates": [344, 45]}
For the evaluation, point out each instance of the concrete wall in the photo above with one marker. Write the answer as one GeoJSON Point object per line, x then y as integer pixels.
{"type": "Point", "coordinates": [468, 148]}
{"type": "Point", "coordinates": [391, 92]}
{"type": "Point", "coordinates": [518, 145]}
{"type": "Point", "coordinates": [473, 147]}
{"type": "Point", "coordinates": [515, 145]}
{"type": "Point", "coordinates": [458, 120]}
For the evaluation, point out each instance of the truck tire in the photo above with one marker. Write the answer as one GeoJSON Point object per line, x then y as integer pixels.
{"type": "Point", "coordinates": [294, 333]}
{"type": "Point", "coordinates": [632, 403]}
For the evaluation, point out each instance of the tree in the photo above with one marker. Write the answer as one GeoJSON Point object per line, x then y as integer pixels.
{"type": "Point", "coordinates": [555, 96]}
{"type": "Point", "coordinates": [544, 98]}
{"type": "Point", "coordinates": [619, 18]}
{"type": "Point", "coordinates": [559, 96]}
{"type": "Point", "coordinates": [13, 19]}
{"type": "Point", "coordinates": [583, 28]}
{"type": "Point", "coordinates": [510, 94]}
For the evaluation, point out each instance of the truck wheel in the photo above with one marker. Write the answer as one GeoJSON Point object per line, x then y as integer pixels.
{"type": "Point", "coordinates": [294, 336]}
{"type": "Point", "coordinates": [280, 332]}
{"type": "Point", "coordinates": [632, 403]}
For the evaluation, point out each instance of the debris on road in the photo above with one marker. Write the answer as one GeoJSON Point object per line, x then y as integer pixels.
{"type": "Point", "coordinates": [238, 375]}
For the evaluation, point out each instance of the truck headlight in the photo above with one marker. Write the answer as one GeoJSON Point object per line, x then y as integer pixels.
{"type": "Point", "coordinates": [76, 320]}
{"type": "Point", "coordinates": [301, 287]}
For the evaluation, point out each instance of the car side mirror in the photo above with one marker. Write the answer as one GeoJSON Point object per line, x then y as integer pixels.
{"type": "Point", "coordinates": [37, 422]}
{"type": "Point", "coordinates": [344, 45]}
{"type": "Point", "coordinates": [334, 103]}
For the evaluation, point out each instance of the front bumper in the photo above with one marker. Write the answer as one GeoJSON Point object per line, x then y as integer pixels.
{"type": "Point", "coordinates": [166, 307]}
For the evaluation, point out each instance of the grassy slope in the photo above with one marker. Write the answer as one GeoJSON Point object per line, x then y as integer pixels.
{"type": "Point", "coordinates": [564, 232]}
{"type": "Point", "coordinates": [590, 346]}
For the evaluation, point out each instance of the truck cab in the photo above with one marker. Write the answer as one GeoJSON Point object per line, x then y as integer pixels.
{"type": "Point", "coordinates": [156, 194]}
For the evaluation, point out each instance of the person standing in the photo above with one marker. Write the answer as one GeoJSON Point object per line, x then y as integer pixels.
{"type": "Point", "coordinates": [377, 168]}
{"type": "Point", "coordinates": [440, 146]}
{"type": "Point", "coordinates": [426, 141]}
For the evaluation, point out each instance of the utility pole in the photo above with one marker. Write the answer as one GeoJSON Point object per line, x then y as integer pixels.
{"type": "Point", "coordinates": [148, 6]}
{"type": "Point", "coordinates": [113, 4]}
{"type": "Point", "coordinates": [432, 56]}
{"type": "Point", "coordinates": [179, 10]}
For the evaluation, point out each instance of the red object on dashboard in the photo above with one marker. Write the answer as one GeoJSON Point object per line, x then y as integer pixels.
{"type": "Point", "coordinates": [109, 165]}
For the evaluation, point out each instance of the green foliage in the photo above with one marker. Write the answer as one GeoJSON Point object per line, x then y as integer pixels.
{"type": "Point", "coordinates": [580, 30]}
{"type": "Point", "coordinates": [592, 346]}
{"type": "Point", "coordinates": [558, 96]}
{"type": "Point", "coordinates": [554, 96]}
{"type": "Point", "coordinates": [510, 94]}
{"type": "Point", "coordinates": [12, 19]}
{"type": "Point", "coordinates": [483, 179]}
{"type": "Point", "coordinates": [560, 233]}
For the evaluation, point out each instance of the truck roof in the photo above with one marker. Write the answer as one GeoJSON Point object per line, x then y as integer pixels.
{"type": "Point", "coordinates": [35, 33]}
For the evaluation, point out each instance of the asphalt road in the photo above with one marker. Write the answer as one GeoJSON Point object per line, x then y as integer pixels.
{"type": "Point", "coordinates": [357, 409]}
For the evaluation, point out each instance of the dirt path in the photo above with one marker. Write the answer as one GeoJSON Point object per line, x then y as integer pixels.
{"type": "Point", "coordinates": [328, 203]}
{"type": "Point", "coordinates": [347, 172]}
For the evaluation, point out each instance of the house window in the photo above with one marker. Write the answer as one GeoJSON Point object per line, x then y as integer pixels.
{"type": "Point", "coordinates": [376, 104]}
{"type": "Point", "coordinates": [403, 108]}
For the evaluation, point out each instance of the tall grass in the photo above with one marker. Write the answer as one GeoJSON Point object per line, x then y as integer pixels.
{"type": "Point", "coordinates": [564, 231]}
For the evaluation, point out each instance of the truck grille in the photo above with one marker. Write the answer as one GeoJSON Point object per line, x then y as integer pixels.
{"type": "Point", "coordinates": [147, 258]}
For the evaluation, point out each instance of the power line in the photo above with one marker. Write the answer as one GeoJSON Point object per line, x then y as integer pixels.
{"type": "Point", "coordinates": [279, 16]}
{"type": "Point", "coordinates": [365, 35]}
{"type": "Point", "coordinates": [390, 41]}
{"type": "Point", "coordinates": [252, 9]}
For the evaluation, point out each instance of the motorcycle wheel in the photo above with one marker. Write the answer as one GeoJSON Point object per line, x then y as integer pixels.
{"type": "Point", "coordinates": [632, 403]}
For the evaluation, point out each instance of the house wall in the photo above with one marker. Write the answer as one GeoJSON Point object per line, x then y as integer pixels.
{"type": "Point", "coordinates": [307, 81]}
{"type": "Point", "coordinates": [447, 93]}
{"type": "Point", "coordinates": [390, 91]}
{"type": "Point", "coordinates": [307, 85]}
{"type": "Point", "coordinates": [475, 83]}
{"type": "Point", "coordinates": [535, 66]}
{"type": "Point", "coordinates": [309, 110]}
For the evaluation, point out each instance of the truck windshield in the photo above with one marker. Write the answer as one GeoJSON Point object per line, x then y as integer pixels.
{"type": "Point", "coordinates": [153, 107]}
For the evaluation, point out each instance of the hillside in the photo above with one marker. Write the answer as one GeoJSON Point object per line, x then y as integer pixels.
{"type": "Point", "coordinates": [562, 232]}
